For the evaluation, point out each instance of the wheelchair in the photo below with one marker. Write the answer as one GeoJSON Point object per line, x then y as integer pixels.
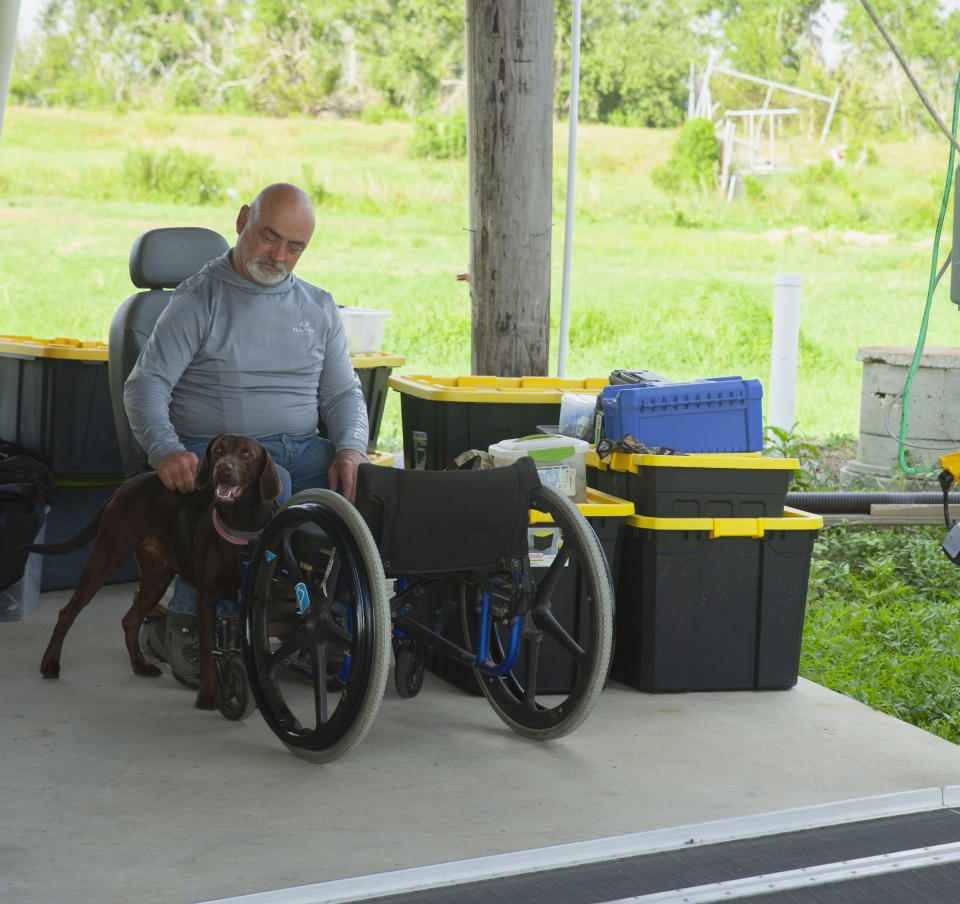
{"type": "Point", "coordinates": [488, 568]}
{"type": "Point", "coordinates": [312, 648]}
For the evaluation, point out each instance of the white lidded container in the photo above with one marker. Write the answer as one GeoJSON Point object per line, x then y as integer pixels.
{"type": "Point", "coordinates": [561, 460]}
{"type": "Point", "coordinates": [364, 329]}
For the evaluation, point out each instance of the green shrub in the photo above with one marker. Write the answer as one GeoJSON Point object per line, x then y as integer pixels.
{"type": "Point", "coordinates": [374, 114]}
{"type": "Point", "coordinates": [753, 188]}
{"type": "Point", "coordinates": [442, 138]}
{"type": "Point", "coordinates": [173, 174]}
{"type": "Point", "coordinates": [819, 175]}
{"type": "Point", "coordinates": [856, 146]}
{"type": "Point", "coordinates": [693, 159]}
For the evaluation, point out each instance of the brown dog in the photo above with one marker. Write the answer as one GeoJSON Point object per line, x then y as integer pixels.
{"type": "Point", "coordinates": [174, 533]}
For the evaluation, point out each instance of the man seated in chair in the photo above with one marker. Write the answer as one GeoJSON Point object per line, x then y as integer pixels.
{"type": "Point", "coordinates": [244, 346]}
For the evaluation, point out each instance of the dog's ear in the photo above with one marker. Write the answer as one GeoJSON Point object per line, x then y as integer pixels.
{"type": "Point", "coordinates": [202, 477]}
{"type": "Point", "coordinates": [270, 483]}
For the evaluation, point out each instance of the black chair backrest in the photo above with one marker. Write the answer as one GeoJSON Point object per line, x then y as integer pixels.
{"type": "Point", "coordinates": [444, 522]}
{"type": "Point", "coordinates": [160, 260]}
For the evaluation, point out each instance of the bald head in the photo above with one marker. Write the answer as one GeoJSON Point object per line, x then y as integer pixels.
{"type": "Point", "coordinates": [272, 232]}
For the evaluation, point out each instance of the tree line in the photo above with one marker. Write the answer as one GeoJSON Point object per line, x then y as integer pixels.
{"type": "Point", "coordinates": [379, 58]}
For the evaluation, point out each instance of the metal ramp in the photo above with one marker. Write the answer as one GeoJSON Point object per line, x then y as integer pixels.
{"type": "Point", "coordinates": [892, 858]}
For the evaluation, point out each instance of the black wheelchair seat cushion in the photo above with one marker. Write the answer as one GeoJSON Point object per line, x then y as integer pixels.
{"type": "Point", "coordinates": [443, 522]}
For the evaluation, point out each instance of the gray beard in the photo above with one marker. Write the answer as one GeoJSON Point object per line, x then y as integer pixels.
{"type": "Point", "coordinates": [264, 276]}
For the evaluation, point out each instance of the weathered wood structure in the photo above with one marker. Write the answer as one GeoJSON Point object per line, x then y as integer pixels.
{"type": "Point", "coordinates": [510, 154]}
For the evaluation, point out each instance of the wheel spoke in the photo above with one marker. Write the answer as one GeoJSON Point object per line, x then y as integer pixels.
{"type": "Point", "coordinates": [330, 632]}
{"type": "Point", "coordinates": [318, 661]}
{"type": "Point", "coordinates": [547, 585]}
{"type": "Point", "coordinates": [290, 562]}
{"type": "Point", "coordinates": [273, 659]}
{"type": "Point", "coordinates": [531, 654]}
{"type": "Point", "coordinates": [547, 622]}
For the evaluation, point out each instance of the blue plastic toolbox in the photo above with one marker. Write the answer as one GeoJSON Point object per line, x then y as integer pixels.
{"type": "Point", "coordinates": [719, 414]}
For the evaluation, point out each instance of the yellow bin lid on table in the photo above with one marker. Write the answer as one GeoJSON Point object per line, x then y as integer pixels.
{"type": "Point", "coordinates": [792, 519]}
{"type": "Point", "coordinates": [376, 359]}
{"type": "Point", "coordinates": [509, 390]}
{"type": "Point", "coordinates": [78, 349]}
{"type": "Point", "coordinates": [74, 349]}
{"type": "Point", "coordinates": [598, 505]}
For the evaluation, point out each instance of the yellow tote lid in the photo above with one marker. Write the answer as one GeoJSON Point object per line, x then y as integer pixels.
{"type": "Point", "coordinates": [598, 505]}
{"type": "Point", "coordinates": [76, 349]}
{"type": "Point", "coordinates": [376, 359]}
{"type": "Point", "coordinates": [792, 519]}
{"type": "Point", "coordinates": [748, 461]}
{"type": "Point", "coordinates": [493, 389]}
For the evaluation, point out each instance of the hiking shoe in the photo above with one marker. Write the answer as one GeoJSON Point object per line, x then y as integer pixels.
{"type": "Point", "coordinates": [151, 637]}
{"type": "Point", "coordinates": [181, 648]}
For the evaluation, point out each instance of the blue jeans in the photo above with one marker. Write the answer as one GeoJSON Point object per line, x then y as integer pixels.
{"type": "Point", "coordinates": [302, 462]}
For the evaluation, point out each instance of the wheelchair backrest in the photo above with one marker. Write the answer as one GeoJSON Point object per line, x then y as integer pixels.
{"type": "Point", "coordinates": [443, 522]}
{"type": "Point", "coordinates": [160, 260]}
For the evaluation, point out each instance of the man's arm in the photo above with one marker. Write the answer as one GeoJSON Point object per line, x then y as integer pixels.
{"type": "Point", "coordinates": [339, 397]}
{"type": "Point", "coordinates": [147, 392]}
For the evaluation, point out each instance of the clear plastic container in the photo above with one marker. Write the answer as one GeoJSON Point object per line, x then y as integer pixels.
{"type": "Point", "coordinates": [560, 460]}
{"type": "Point", "coordinates": [364, 328]}
{"type": "Point", "coordinates": [578, 414]}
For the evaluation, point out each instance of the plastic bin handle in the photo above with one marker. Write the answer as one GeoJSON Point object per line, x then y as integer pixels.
{"type": "Point", "coordinates": [737, 527]}
{"type": "Point", "coordinates": [793, 519]}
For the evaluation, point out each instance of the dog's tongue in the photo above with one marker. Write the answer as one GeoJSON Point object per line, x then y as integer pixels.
{"type": "Point", "coordinates": [227, 492]}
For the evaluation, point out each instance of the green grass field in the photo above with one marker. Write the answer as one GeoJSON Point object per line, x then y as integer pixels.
{"type": "Point", "coordinates": [682, 286]}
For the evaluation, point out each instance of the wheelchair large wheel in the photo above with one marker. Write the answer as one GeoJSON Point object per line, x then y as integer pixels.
{"type": "Point", "coordinates": [317, 626]}
{"type": "Point", "coordinates": [567, 636]}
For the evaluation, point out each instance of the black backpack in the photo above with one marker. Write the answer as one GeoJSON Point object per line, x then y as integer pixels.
{"type": "Point", "coordinates": [26, 487]}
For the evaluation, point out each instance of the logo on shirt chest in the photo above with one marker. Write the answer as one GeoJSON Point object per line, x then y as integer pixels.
{"type": "Point", "coordinates": [303, 328]}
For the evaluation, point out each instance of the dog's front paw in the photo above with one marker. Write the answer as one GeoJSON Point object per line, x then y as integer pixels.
{"type": "Point", "coordinates": [50, 668]}
{"type": "Point", "coordinates": [205, 701]}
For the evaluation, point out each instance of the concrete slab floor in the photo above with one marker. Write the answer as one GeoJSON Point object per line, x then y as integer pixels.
{"type": "Point", "coordinates": [114, 788]}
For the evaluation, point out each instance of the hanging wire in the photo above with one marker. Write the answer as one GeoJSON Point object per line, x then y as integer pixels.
{"type": "Point", "coordinates": [903, 63]}
{"type": "Point", "coordinates": [934, 275]}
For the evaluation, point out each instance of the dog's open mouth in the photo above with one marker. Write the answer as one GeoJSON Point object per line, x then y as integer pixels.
{"type": "Point", "coordinates": [228, 492]}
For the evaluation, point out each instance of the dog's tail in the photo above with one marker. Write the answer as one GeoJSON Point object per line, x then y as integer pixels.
{"type": "Point", "coordinates": [85, 534]}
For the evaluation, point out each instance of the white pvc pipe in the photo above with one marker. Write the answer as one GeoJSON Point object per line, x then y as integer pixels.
{"type": "Point", "coordinates": [571, 169]}
{"type": "Point", "coordinates": [783, 355]}
{"type": "Point", "coordinates": [9, 15]}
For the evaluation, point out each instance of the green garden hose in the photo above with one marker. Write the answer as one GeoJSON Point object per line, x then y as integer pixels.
{"type": "Point", "coordinates": [921, 339]}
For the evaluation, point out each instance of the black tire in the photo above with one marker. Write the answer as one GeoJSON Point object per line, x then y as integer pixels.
{"type": "Point", "coordinates": [408, 669]}
{"type": "Point", "coordinates": [232, 693]}
{"type": "Point", "coordinates": [317, 668]}
{"type": "Point", "coordinates": [567, 636]}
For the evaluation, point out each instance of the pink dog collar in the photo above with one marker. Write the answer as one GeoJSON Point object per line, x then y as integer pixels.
{"type": "Point", "coordinates": [238, 538]}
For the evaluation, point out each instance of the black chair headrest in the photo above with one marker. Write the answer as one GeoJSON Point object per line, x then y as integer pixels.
{"type": "Point", "coordinates": [164, 258]}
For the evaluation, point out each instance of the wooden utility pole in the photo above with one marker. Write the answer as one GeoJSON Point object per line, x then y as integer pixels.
{"type": "Point", "coordinates": [510, 153]}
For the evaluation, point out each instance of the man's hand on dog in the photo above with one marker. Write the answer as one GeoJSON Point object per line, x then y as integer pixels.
{"type": "Point", "coordinates": [177, 470]}
{"type": "Point", "coordinates": [342, 474]}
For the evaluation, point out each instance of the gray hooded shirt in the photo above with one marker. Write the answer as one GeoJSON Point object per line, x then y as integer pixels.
{"type": "Point", "coordinates": [230, 356]}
